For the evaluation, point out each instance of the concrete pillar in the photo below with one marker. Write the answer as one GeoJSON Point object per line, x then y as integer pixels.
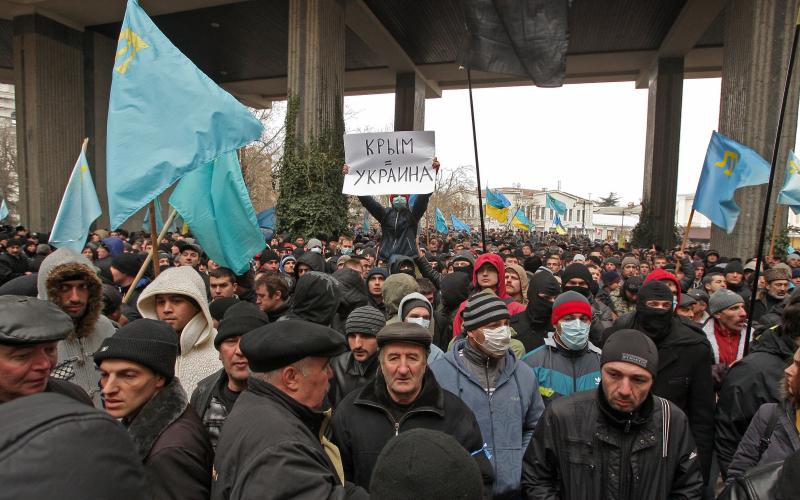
{"type": "Point", "coordinates": [49, 79]}
{"type": "Point", "coordinates": [409, 102]}
{"type": "Point", "coordinates": [758, 38]}
{"type": "Point", "coordinates": [662, 146]}
{"type": "Point", "coordinates": [316, 65]}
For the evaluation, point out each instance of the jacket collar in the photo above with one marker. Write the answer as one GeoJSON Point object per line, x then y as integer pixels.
{"type": "Point", "coordinates": [359, 368]}
{"type": "Point", "coordinates": [311, 418]}
{"type": "Point", "coordinates": [156, 415]}
{"type": "Point", "coordinates": [430, 398]}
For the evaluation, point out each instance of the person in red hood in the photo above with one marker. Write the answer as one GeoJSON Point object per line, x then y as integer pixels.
{"type": "Point", "coordinates": [670, 280]}
{"type": "Point", "coordinates": [489, 273]}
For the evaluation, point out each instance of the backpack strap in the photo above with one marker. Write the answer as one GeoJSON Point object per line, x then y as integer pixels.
{"type": "Point", "coordinates": [766, 437]}
{"type": "Point", "coordinates": [666, 411]}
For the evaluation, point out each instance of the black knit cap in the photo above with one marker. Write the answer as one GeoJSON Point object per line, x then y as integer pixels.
{"type": "Point", "coordinates": [282, 343]}
{"type": "Point", "coordinates": [218, 307]}
{"type": "Point", "coordinates": [482, 309]}
{"type": "Point", "coordinates": [149, 342]}
{"type": "Point", "coordinates": [240, 318]}
{"type": "Point", "coordinates": [576, 270]}
{"type": "Point", "coordinates": [631, 346]}
{"type": "Point", "coordinates": [127, 263]}
{"type": "Point", "coordinates": [365, 320]}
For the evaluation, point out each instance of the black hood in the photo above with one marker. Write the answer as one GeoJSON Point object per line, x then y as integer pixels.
{"type": "Point", "coordinates": [352, 290]}
{"type": "Point", "coordinates": [774, 341]}
{"type": "Point", "coordinates": [455, 290]}
{"type": "Point", "coordinates": [316, 298]}
{"type": "Point", "coordinates": [313, 260]}
{"type": "Point", "coordinates": [396, 260]}
{"type": "Point", "coordinates": [538, 309]}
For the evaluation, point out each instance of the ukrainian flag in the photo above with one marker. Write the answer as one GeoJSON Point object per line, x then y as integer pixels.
{"type": "Point", "coordinates": [497, 206]}
{"type": "Point", "coordinates": [521, 221]}
{"type": "Point", "coordinates": [558, 227]}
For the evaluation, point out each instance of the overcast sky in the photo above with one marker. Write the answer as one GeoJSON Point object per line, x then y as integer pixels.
{"type": "Point", "coordinates": [591, 137]}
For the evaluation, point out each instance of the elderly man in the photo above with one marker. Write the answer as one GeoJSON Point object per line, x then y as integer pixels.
{"type": "Point", "coordinates": [777, 280]}
{"type": "Point", "coordinates": [273, 444]}
{"type": "Point", "coordinates": [405, 395]}
{"type": "Point", "coordinates": [620, 441]}
{"type": "Point", "coordinates": [725, 330]}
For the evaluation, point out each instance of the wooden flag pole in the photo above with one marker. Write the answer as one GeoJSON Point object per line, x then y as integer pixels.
{"type": "Point", "coordinates": [154, 239]}
{"type": "Point", "coordinates": [150, 255]}
{"type": "Point", "coordinates": [685, 239]}
{"type": "Point", "coordinates": [778, 212]}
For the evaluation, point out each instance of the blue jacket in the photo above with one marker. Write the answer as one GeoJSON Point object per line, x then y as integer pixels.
{"type": "Point", "coordinates": [561, 372]}
{"type": "Point", "coordinates": [506, 418]}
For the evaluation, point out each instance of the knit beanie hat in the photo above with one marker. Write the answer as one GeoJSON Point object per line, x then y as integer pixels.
{"type": "Point", "coordinates": [218, 307]}
{"type": "Point", "coordinates": [364, 320]}
{"type": "Point", "coordinates": [149, 342]}
{"type": "Point", "coordinates": [734, 266]}
{"type": "Point", "coordinates": [576, 271]}
{"type": "Point", "coordinates": [423, 463]}
{"type": "Point", "coordinates": [240, 318]}
{"type": "Point", "coordinates": [411, 304]}
{"type": "Point", "coordinates": [482, 309]}
{"type": "Point", "coordinates": [630, 260]}
{"type": "Point", "coordinates": [631, 346]}
{"type": "Point", "coordinates": [570, 303]}
{"type": "Point", "coordinates": [127, 263]}
{"type": "Point", "coordinates": [610, 277]}
{"type": "Point", "coordinates": [723, 299]}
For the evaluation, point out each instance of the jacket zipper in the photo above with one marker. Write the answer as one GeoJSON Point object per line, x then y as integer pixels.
{"type": "Point", "coordinates": [395, 423]}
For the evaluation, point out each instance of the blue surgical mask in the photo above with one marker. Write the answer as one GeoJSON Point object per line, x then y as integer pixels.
{"type": "Point", "coordinates": [399, 202]}
{"type": "Point", "coordinates": [347, 250]}
{"type": "Point", "coordinates": [574, 334]}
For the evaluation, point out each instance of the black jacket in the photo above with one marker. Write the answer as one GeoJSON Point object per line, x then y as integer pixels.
{"type": "Point", "coordinates": [68, 389]}
{"type": "Point", "coordinates": [398, 228]}
{"type": "Point", "coordinates": [352, 292]}
{"type": "Point", "coordinates": [581, 451]}
{"type": "Point", "coordinates": [270, 448]}
{"type": "Point", "coordinates": [12, 267]}
{"type": "Point", "coordinates": [349, 375]}
{"type": "Point", "coordinates": [753, 381]}
{"type": "Point", "coordinates": [684, 377]}
{"type": "Point", "coordinates": [363, 424]}
{"type": "Point", "coordinates": [530, 331]}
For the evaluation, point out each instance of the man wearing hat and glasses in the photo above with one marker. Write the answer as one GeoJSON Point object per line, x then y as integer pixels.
{"type": "Point", "coordinates": [620, 441]}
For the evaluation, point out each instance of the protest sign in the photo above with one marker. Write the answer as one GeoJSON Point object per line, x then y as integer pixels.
{"type": "Point", "coordinates": [389, 163]}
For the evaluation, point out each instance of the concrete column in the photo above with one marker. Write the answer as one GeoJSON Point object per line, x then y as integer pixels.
{"type": "Point", "coordinates": [49, 79]}
{"type": "Point", "coordinates": [100, 52]}
{"type": "Point", "coordinates": [662, 146]}
{"type": "Point", "coordinates": [316, 64]}
{"type": "Point", "coordinates": [758, 38]}
{"type": "Point", "coordinates": [409, 102]}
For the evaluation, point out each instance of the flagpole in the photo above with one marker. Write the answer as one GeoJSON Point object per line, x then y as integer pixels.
{"type": "Point", "coordinates": [778, 212]}
{"type": "Point", "coordinates": [154, 239]}
{"type": "Point", "coordinates": [477, 163]}
{"type": "Point", "coordinates": [686, 231]}
{"type": "Point", "coordinates": [773, 163]}
{"type": "Point", "coordinates": [150, 255]}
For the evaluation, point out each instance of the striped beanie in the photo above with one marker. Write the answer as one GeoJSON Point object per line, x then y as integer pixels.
{"type": "Point", "coordinates": [482, 309]}
{"type": "Point", "coordinates": [365, 320]}
{"type": "Point", "coordinates": [570, 303]}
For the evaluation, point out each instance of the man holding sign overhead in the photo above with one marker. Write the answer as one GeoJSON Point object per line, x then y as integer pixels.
{"type": "Point", "coordinates": [390, 163]}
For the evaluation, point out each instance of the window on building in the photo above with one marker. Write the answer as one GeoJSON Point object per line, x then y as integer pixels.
{"type": "Point", "coordinates": [569, 215]}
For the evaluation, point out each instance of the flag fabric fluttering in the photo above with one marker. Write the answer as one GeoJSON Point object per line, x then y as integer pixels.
{"type": "Point", "coordinates": [557, 225]}
{"type": "Point", "coordinates": [3, 209]}
{"type": "Point", "coordinates": [159, 219]}
{"type": "Point", "coordinates": [728, 166]}
{"type": "Point", "coordinates": [520, 220]}
{"type": "Point", "coordinates": [79, 208]}
{"type": "Point", "coordinates": [165, 117]}
{"type": "Point", "coordinates": [267, 221]}
{"type": "Point", "coordinates": [557, 206]}
{"type": "Point", "coordinates": [214, 202]}
{"type": "Point", "coordinates": [458, 224]}
{"type": "Point", "coordinates": [441, 223]}
{"type": "Point", "coordinates": [790, 193]}
{"type": "Point", "coordinates": [497, 205]}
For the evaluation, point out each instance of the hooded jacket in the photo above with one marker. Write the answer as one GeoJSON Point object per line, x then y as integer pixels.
{"type": "Point", "coordinates": [533, 325]}
{"type": "Point", "coordinates": [352, 294]}
{"type": "Point", "coordinates": [197, 358]}
{"type": "Point", "coordinates": [315, 299]}
{"type": "Point", "coordinates": [435, 352]}
{"type": "Point", "coordinates": [398, 227]}
{"type": "Point", "coordinates": [561, 371]}
{"type": "Point", "coordinates": [396, 260]}
{"type": "Point", "coordinates": [523, 281]}
{"type": "Point", "coordinates": [75, 353]}
{"type": "Point", "coordinates": [313, 260]}
{"type": "Point", "coordinates": [395, 288]}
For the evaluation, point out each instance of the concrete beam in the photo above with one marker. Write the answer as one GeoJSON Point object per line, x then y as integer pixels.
{"type": "Point", "coordinates": [369, 28]}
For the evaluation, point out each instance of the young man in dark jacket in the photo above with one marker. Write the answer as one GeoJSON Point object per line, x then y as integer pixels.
{"type": "Point", "coordinates": [359, 366]}
{"type": "Point", "coordinates": [620, 441]}
{"type": "Point", "coordinates": [534, 324]}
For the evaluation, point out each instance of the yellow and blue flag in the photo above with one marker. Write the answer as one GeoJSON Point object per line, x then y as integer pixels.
{"type": "Point", "coordinates": [790, 194]}
{"type": "Point", "coordinates": [3, 209]}
{"type": "Point", "coordinates": [441, 223]}
{"type": "Point", "coordinates": [213, 200]}
{"type": "Point", "coordinates": [458, 224]}
{"type": "Point", "coordinates": [557, 206]}
{"type": "Point", "coordinates": [558, 227]}
{"type": "Point", "coordinates": [79, 208]}
{"type": "Point", "coordinates": [520, 220]}
{"type": "Point", "coordinates": [727, 167]}
{"type": "Point", "coordinates": [165, 117]}
{"type": "Point", "coordinates": [497, 205]}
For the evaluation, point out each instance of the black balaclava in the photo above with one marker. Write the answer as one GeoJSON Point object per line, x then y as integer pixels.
{"type": "Point", "coordinates": [655, 323]}
{"type": "Point", "coordinates": [539, 310]}
{"type": "Point", "coordinates": [455, 290]}
{"type": "Point", "coordinates": [632, 286]}
{"type": "Point", "coordinates": [577, 270]}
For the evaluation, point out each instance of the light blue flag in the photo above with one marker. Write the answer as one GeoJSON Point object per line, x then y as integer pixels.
{"type": "Point", "coordinates": [159, 220]}
{"type": "Point", "coordinates": [458, 224]}
{"type": "Point", "coordinates": [558, 207]}
{"type": "Point", "coordinates": [441, 223]}
{"type": "Point", "coordinates": [365, 226]}
{"type": "Point", "coordinates": [496, 199]}
{"type": "Point", "coordinates": [214, 202]}
{"type": "Point", "coordinates": [165, 117]}
{"type": "Point", "coordinates": [79, 208]}
{"type": "Point", "coordinates": [790, 194]}
{"type": "Point", "coordinates": [727, 167]}
{"type": "Point", "coordinates": [3, 209]}
{"type": "Point", "coordinates": [520, 220]}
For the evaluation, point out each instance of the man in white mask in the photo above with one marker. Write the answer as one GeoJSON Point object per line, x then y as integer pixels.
{"type": "Point", "coordinates": [502, 392]}
{"type": "Point", "coordinates": [567, 362]}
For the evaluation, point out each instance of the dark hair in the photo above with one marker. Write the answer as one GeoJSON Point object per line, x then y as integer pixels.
{"type": "Point", "coordinates": [273, 283]}
{"type": "Point", "coordinates": [425, 286]}
{"type": "Point", "coordinates": [223, 273]}
{"type": "Point", "coordinates": [791, 317]}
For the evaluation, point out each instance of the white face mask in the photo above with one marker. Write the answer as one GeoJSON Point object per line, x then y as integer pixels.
{"type": "Point", "coordinates": [497, 340]}
{"type": "Point", "coordinates": [316, 250]}
{"type": "Point", "coordinates": [424, 323]}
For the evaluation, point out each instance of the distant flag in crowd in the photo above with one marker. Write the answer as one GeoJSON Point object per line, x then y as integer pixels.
{"type": "Point", "coordinates": [497, 205]}
{"type": "Point", "coordinates": [213, 200]}
{"type": "Point", "coordinates": [557, 206]}
{"type": "Point", "coordinates": [267, 221]}
{"type": "Point", "coordinates": [520, 220]}
{"type": "Point", "coordinates": [458, 224]}
{"type": "Point", "coordinates": [165, 117]}
{"type": "Point", "coordinates": [558, 227]}
{"type": "Point", "coordinates": [79, 208]}
{"type": "Point", "coordinates": [441, 223]}
{"type": "Point", "coordinates": [790, 194]}
{"type": "Point", "coordinates": [365, 228]}
{"type": "Point", "coordinates": [3, 209]}
{"type": "Point", "coordinates": [728, 166]}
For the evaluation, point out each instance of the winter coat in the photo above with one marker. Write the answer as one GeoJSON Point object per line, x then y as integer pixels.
{"type": "Point", "coordinates": [507, 417]}
{"type": "Point", "coordinates": [534, 324]}
{"type": "Point", "coordinates": [173, 445]}
{"type": "Point", "coordinates": [349, 375]}
{"type": "Point", "coordinates": [756, 379]}
{"type": "Point", "coordinates": [783, 441]}
{"type": "Point", "coordinates": [270, 448]}
{"type": "Point", "coordinates": [352, 294]}
{"type": "Point", "coordinates": [363, 424]}
{"type": "Point", "coordinates": [684, 377]}
{"type": "Point", "coordinates": [602, 319]}
{"type": "Point", "coordinates": [315, 299]}
{"type": "Point", "coordinates": [13, 266]}
{"type": "Point", "coordinates": [580, 453]}
{"type": "Point", "coordinates": [68, 389]}
{"type": "Point", "coordinates": [763, 306]}
{"type": "Point", "coordinates": [562, 371]}
{"type": "Point", "coordinates": [75, 353]}
{"type": "Point", "coordinates": [209, 407]}
{"type": "Point", "coordinates": [398, 227]}
{"type": "Point", "coordinates": [197, 358]}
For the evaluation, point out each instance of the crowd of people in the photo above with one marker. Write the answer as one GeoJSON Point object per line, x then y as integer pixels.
{"type": "Point", "coordinates": [396, 364]}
